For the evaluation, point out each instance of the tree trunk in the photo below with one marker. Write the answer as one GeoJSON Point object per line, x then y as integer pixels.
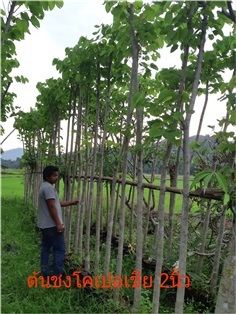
{"type": "Point", "coordinates": [91, 194]}
{"type": "Point", "coordinates": [150, 195]}
{"type": "Point", "coordinates": [9, 18]}
{"type": "Point", "coordinates": [80, 171]}
{"type": "Point", "coordinates": [174, 183]}
{"type": "Point", "coordinates": [71, 180]}
{"type": "Point", "coordinates": [131, 233]}
{"type": "Point", "coordinates": [85, 182]}
{"type": "Point", "coordinates": [203, 238]}
{"type": "Point", "coordinates": [116, 210]}
{"type": "Point", "coordinates": [186, 173]}
{"type": "Point", "coordinates": [160, 231]}
{"type": "Point", "coordinates": [101, 161]}
{"type": "Point", "coordinates": [125, 156]}
{"type": "Point", "coordinates": [216, 263]}
{"type": "Point", "coordinates": [202, 116]}
{"type": "Point", "coordinates": [110, 217]}
{"type": "Point", "coordinates": [226, 301]}
{"type": "Point", "coordinates": [139, 118]}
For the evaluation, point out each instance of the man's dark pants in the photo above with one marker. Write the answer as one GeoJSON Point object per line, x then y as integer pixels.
{"type": "Point", "coordinates": [55, 240]}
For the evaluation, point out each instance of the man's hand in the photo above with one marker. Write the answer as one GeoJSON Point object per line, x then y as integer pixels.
{"type": "Point", "coordinates": [75, 202]}
{"type": "Point", "coordinates": [69, 203]}
{"type": "Point", "coordinates": [60, 228]}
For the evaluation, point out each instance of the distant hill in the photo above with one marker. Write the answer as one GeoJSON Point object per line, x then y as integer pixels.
{"type": "Point", "coordinates": [12, 154]}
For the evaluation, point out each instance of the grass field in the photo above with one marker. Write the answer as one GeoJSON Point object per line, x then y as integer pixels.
{"type": "Point", "coordinates": [12, 185]}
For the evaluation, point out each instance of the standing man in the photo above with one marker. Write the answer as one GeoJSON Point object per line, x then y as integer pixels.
{"type": "Point", "coordinates": [50, 222]}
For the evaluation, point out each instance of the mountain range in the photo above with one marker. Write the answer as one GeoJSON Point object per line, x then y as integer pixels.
{"type": "Point", "coordinates": [12, 154]}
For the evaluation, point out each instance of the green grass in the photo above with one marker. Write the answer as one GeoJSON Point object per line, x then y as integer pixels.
{"type": "Point", "coordinates": [12, 183]}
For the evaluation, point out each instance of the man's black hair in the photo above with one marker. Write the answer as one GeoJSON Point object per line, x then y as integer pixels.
{"type": "Point", "coordinates": [48, 171]}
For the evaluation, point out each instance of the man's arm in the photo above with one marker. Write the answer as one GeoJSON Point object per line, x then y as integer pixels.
{"type": "Point", "coordinates": [68, 203]}
{"type": "Point", "coordinates": [53, 212]}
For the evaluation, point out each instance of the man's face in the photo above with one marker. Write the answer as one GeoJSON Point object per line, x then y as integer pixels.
{"type": "Point", "coordinates": [53, 178]}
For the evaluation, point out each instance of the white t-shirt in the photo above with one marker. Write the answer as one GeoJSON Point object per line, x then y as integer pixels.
{"type": "Point", "coordinates": [46, 192]}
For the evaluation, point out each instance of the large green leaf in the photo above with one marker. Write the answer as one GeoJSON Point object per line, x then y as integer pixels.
{"type": "Point", "coordinates": [195, 145]}
{"type": "Point", "coordinates": [35, 21]}
{"type": "Point", "coordinates": [51, 4]}
{"type": "Point", "coordinates": [200, 176]}
{"type": "Point", "coordinates": [168, 17]}
{"type": "Point", "coordinates": [156, 129]}
{"type": "Point", "coordinates": [206, 181]}
{"type": "Point", "coordinates": [164, 95]}
{"type": "Point", "coordinates": [150, 13]}
{"type": "Point", "coordinates": [226, 198]}
{"type": "Point", "coordinates": [174, 47]}
{"type": "Point", "coordinates": [222, 181]}
{"type": "Point", "coordinates": [23, 25]}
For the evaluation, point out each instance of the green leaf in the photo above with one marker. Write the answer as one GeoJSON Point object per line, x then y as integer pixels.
{"type": "Point", "coordinates": [211, 36]}
{"type": "Point", "coordinates": [24, 16]}
{"type": "Point", "coordinates": [170, 136]}
{"type": "Point", "coordinates": [23, 25]}
{"type": "Point", "coordinates": [44, 4]}
{"type": "Point", "coordinates": [206, 181]}
{"type": "Point", "coordinates": [51, 4]}
{"type": "Point", "coordinates": [21, 79]}
{"type": "Point", "coordinates": [154, 57]}
{"type": "Point", "coordinates": [150, 13]}
{"type": "Point", "coordinates": [200, 176]}
{"type": "Point", "coordinates": [36, 9]}
{"type": "Point", "coordinates": [156, 132]}
{"type": "Point", "coordinates": [222, 181]}
{"type": "Point", "coordinates": [168, 17]}
{"type": "Point", "coordinates": [154, 66]}
{"type": "Point", "coordinates": [177, 115]}
{"type": "Point", "coordinates": [195, 145]}
{"type": "Point", "coordinates": [156, 128]}
{"type": "Point", "coordinates": [114, 129]}
{"type": "Point", "coordinates": [109, 5]}
{"type": "Point", "coordinates": [232, 82]}
{"type": "Point", "coordinates": [138, 100]}
{"type": "Point", "coordinates": [226, 198]}
{"type": "Point", "coordinates": [174, 47]}
{"type": "Point", "coordinates": [164, 95]}
{"type": "Point", "coordinates": [59, 4]}
{"type": "Point", "coordinates": [35, 21]}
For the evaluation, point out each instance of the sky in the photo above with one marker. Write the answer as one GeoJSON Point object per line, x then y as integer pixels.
{"type": "Point", "coordinates": [62, 28]}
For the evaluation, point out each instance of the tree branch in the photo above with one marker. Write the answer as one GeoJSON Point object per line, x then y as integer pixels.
{"type": "Point", "coordinates": [215, 194]}
{"type": "Point", "coordinates": [9, 18]}
{"type": "Point", "coordinates": [230, 14]}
